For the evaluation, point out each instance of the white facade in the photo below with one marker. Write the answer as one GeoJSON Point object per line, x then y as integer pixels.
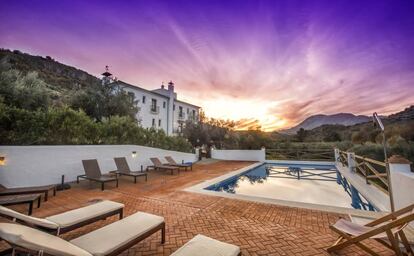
{"type": "Point", "coordinates": [160, 109]}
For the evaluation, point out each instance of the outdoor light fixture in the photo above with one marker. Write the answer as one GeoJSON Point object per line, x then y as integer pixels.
{"type": "Point", "coordinates": [134, 154]}
{"type": "Point", "coordinates": [378, 122]}
{"type": "Point", "coordinates": [2, 160]}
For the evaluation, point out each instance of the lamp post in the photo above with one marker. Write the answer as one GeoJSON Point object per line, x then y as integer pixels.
{"type": "Point", "coordinates": [377, 121]}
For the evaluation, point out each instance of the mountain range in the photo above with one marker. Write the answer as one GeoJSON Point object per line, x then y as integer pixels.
{"type": "Point", "coordinates": [319, 120]}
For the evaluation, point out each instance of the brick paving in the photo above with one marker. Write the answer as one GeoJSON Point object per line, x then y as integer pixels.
{"type": "Point", "coordinates": [259, 229]}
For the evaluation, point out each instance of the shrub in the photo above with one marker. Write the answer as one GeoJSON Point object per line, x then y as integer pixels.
{"type": "Point", "coordinates": [67, 126]}
{"type": "Point", "coordinates": [63, 125]}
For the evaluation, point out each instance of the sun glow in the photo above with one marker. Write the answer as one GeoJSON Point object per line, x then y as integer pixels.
{"type": "Point", "coordinates": [249, 114]}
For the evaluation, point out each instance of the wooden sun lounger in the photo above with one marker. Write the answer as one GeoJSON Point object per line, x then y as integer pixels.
{"type": "Point", "coordinates": [384, 230]}
{"type": "Point", "coordinates": [109, 240]}
{"type": "Point", "coordinates": [69, 220]}
{"type": "Point", "coordinates": [93, 173]}
{"type": "Point", "coordinates": [21, 199]}
{"type": "Point", "coordinates": [172, 162]}
{"type": "Point", "coordinates": [28, 190]}
{"type": "Point", "coordinates": [160, 166]}
{"type": "Point", "coordinates": [123, 169]}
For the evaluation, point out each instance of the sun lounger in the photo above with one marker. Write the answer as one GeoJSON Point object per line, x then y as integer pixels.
{"type": "Point", "coordinates": [123, 169]}
{"type": "Point", "coordinates": [172, 162]}
{"type": "Point", "coordinates": [21, 199]}
{"type": "Point", "coordinates": [108, 240]}
{"type": "Point", "coordinates": [160, 166]}
{"type": "Point", "coordinates": [205, 246]}
{"type": "Point", "coordinates": [69, 220]}
{"type": "Point", "coordinates": [384, 230]}
{"type": "Point", "coordinates": [28, 190]}
{"type": "Point", "coordinates": [93, 173]}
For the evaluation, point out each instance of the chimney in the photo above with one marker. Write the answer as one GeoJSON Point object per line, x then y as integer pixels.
{"type": "Point", "coordinates": [162, 85]}
{"type": "Point", "coordinates": [106, 76]}
{"type": "Point", "coordinates": [171, 86]}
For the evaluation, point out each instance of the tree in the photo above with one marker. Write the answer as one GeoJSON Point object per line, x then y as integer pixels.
{"type": "Point", "coordinates": [358, 137]}
{"type": "Point", "coordinates": [301, 134]}
{"type": "Point", "coordinates": [25, 91]}
{"type": "Point", "coordinates": [332, 136]}
{"type": "Point", "coordinates": [103, 101]}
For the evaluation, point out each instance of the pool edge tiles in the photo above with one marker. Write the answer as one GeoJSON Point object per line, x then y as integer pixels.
{"type": "Point", "coordinates": [201, 189]}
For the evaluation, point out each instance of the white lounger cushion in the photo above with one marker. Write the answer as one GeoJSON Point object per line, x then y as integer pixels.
{"type": "Point", "coordinates": [75, 216]}
{"type": "Point", "coordinates": [109, 238]}
{"type": "Point", "coordinates": [205, 246]}
{"type": "Point", "coordinates": [36, 240]}
{"type": "Point", "coordinates": [28, 219]}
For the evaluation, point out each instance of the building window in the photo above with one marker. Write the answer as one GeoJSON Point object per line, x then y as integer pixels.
{"type": "Point", "coordinates": [164, 104]}
{"type": "Point", "coordinates": [194, 114]}
{"type": "Point", "coordinates": [180, 111]}
{"type": "Point", "coordinates": [143, 99]}
{"type": "Point", "coordinates": [159, 122]}
{"type": "Point", "coordinates": [188, 111]}
{"type": "Point", "coordinates": [174, 107]}
{"type": "Point", "coordinates": [153, 122]}
{"type": "Point", "coordinates": [131, 96]}
{"type": "Point", "coordinates": [153, 105]}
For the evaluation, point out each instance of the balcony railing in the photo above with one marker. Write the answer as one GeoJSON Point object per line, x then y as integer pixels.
{"type": "Point", "coordinates": [181, 116]}
{"type": "Point", "coordinates": [155, 109]}
{"type": "Point", "coordinates": [192, 117]}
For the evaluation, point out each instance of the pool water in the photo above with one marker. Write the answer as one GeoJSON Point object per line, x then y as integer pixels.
{"type": "Point", "coordinates": [317, 184]}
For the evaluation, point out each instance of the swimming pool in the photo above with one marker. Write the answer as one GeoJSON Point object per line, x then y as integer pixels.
{"type": "Point", "coordinates": [304, 183]}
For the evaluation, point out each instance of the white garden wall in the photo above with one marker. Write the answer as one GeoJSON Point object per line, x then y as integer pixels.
{"type": "Point", "coordinates": [239, 155]}
{"type": "Point", "coordinates": [42, 165]}
{"type": "Point", "coordinates": [402, 184]}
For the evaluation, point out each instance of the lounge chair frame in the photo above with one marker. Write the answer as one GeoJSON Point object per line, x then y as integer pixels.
{"type": "Point", "coordinates": [160, 166]}
{"type": "Point", "coordinates": [96, 180]}
{"type": "Point", "coordinates": [126, 171]}
{"type": "Point", "coordinates": [24, 199]}
{"type": "Point", "coordinates": [28, 190]}
{"type": "Point", "coordinates": [114, 253]}
{"type": "Point", "coordinates": [394, 222]}
{"type": "Point", "coordinates": [63, 230]}
{"type": "Point", "coordinates": [172, 162]}
{"type": "Point", "coordinates": [97, 176]}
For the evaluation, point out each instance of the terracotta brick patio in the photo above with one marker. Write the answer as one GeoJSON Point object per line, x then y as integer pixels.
{"type": "Point", "coordinates": [259, 229]}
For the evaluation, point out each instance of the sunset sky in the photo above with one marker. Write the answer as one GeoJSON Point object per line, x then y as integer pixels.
{"type": "Point", "coordinates": [275, 62]}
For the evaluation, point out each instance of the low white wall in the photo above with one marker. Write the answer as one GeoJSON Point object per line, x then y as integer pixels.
{"type": "Point", "coordinates": [42, 165]}
{"type": "Point", "coordinates": [239, 155]}
{"type": "Point", "coordinates": [402, 185]}
{"type": "Point", "coordinates": [402, 180]}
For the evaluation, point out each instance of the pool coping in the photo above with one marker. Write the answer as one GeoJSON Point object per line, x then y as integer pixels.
{"type": "Point", "coordinates": [200, 188]}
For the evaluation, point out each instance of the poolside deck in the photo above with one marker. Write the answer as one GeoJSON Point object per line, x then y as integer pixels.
{"type": "Point", "coordinates": [259, 229]}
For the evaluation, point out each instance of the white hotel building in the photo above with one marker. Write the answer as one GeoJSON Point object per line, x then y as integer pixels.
{"type": "Point", "coordinates": [159, 108]}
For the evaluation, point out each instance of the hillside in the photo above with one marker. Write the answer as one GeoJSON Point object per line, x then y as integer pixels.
{"type": "Point", "coordinates": [398, 124]}
{"type": "Point", "coordinates": [406, 114]}
{"type": "Point", "coordinates": [314, 121]}
{"type": "Point", "coordinates": [58, 75]}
